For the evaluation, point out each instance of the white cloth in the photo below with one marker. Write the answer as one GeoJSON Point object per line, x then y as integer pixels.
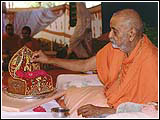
{"type": "Point", "coordinates": [64, 81]}
{"type": "Point", "coordinates": [47, 106]}
{"type": "Point", "coordinates": [30, 114]}
{"type": "Point", "coordinates": [26, 115]}
{"type": "Point", "coordinates": [130, 115]}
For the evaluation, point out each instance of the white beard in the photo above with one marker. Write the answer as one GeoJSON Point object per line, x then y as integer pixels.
{"type": "Point", "coordinates": [122, 48]}
{"type": "Point", "coordinates": [114, 45]}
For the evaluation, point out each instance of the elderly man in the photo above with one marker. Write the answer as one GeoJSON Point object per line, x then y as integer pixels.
{"type": "Point", "coordinates": [127, 66]}
{"type": "Point", "coordinates": [10, 40]}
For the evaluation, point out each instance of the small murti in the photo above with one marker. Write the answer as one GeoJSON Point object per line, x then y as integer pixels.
{"type": "Point", "coordinates": [27, 78]}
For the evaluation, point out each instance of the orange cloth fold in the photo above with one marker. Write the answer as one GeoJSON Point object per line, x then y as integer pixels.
{"type": "Point", "coordinates": [129, 79]}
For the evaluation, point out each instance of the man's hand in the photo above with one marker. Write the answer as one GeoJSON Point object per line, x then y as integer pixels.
{"type": "Point", "coordinates": [91, 110]}
{"type": "Point", "coordinates": [39, 56]}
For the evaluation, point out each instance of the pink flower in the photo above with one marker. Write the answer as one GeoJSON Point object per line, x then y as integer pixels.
{"type": "Point", "coordinates": [41, 72]}
{"type": "Point", "coordinates": [39, 109]}
{"type": "Point", "coordinates": [20, 73]}
{"type": "Point", "coordinates": [30, 75]}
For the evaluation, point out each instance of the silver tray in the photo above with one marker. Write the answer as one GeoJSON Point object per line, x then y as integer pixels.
{"type": "Point", "coordinates": [45, 95]}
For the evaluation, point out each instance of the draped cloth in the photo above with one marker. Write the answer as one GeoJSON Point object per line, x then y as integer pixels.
{"type": "Point", "coordinates": [37, 20]}
{"type": "Point", "coordinates": [4, 10]}
{"type": "Point", "coordinates": [133, 78]}
{"type": "Point", "coordinates": [81, 40]}
{"type": "Point", "coordinates": [76, 97]}
{"type": "Point", "coordinates": [3, 23]}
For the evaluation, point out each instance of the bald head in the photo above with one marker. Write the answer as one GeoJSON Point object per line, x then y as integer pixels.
{"type": "Point", "coordinates": [131, 19]}
{"type": "Point", "coordinates": [126, 30]}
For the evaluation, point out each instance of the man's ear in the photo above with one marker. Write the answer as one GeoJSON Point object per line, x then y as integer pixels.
{"type": "Point", "coordinates": [132, 34]}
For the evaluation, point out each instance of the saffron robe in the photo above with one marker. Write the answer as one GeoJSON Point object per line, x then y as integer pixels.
{"type": "Point", "coordinates": [129, 79]}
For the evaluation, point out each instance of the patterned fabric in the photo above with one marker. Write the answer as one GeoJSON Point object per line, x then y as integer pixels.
{"type": "Point", "coordinates": [28, 79]}
{"type": "Point", "coordinates": [21, 61]}
{"type": "Point", "coordinates": [150, 111]}
{"type": "Point", "coordinates": [130, 107]}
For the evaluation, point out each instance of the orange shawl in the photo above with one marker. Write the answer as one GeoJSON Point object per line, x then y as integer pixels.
{"type": "Point", "coordinates": [129, 79]}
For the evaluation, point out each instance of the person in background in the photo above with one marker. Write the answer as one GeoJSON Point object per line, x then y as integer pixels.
{"type": "Point", "coordinates": [29, 41]}
{"type": "Point", "coordinates": [10, 45]}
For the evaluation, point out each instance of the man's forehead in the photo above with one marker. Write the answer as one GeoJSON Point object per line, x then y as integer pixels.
{"type": "Point", "coordinates": [118, 22]}
{"type": "Point", "coordinates": [115, 21]}
{"type": "Point", "coordinates": [118, 19]}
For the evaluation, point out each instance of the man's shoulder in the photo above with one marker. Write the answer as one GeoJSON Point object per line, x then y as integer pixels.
{"type": "Point", "coordinates": [106, 50]}
{"type": "Point", "coordinates": [150, 50]}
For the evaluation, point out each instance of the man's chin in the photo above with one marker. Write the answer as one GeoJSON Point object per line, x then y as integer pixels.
{"type": "Point", "coordinates": [115, 47]}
